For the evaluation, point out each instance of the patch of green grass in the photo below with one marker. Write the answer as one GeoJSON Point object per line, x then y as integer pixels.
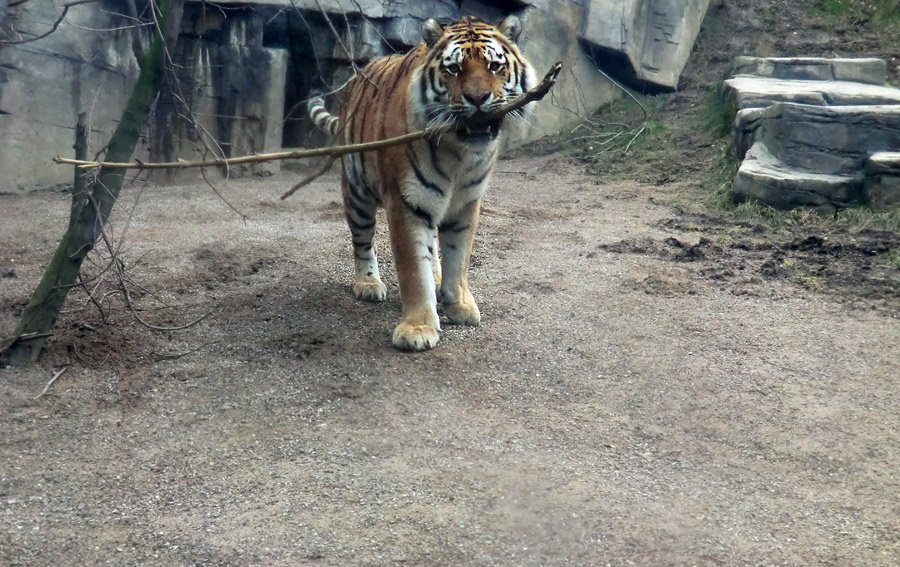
{"type": "Point", "coordinates": [713, 194]}
{"type": "Point", "coordinates": [852, 220]}
{"type": "Point", "coordinates": [894, 260]}
{"type": "Point", "coordinates": [768, 16]}
{"type": "Point", "coordinates": [811, 283]}
{"type": "Point", "coordinates": [887, 12]}
{"type": "Point", "coordinates": [834, 9]}
{"type": "Point", "coordinates": [724, 239]}
{"type": "Point", "coordinates": [863, 218]}
{"type": "Point", "coordinates": [717, 115]}
{"type": "Point", "coordinates": [883, 15]}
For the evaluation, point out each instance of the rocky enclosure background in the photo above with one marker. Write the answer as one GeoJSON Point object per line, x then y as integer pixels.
{"type": "Point", "coordinates": [244, 68]}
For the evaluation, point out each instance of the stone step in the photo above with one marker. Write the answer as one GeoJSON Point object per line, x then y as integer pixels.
{"type": "Point", "coordinates": [747, 91]}
{"type": "Point", "coordinates": [825, 139]}
{"type": "Point", "coordinates": [881, 182]}
{"type": "Point", "coordinates": [867, 70]}
{"type": "Point", "coordinates": [764, 177]}
{"type": "Point", "coordinates": [815, 132]}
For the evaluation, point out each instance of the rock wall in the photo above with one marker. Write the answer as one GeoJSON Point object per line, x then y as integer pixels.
{"type": "Point", "coordinates": [45, 84]}
{"type": "Point", "coordinates": [244, 69]}
{"type": "Point", "coordinates": [229, 85]}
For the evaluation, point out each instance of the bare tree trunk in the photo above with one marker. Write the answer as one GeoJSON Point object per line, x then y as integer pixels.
{"type": "Point", "coordinates": [91, 208]}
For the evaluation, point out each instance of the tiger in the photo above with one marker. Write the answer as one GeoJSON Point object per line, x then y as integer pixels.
{"type": "Point", "coordinates": [430, 189]}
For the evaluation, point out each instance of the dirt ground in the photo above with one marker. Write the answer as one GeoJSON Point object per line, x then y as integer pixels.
{"type": "Point", "coordinates": [648, 387]}
{"type": "Point", "coordinates": [625, 401]}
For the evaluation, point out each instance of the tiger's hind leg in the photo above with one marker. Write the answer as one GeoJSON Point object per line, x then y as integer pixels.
{"type": "Point", "coordinates": [360, 214]}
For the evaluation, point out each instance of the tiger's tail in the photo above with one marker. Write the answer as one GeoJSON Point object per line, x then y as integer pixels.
{"type": "Point", "coordinates": [324, 120]}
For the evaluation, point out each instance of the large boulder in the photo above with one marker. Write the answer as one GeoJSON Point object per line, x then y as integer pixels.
{"type": "Point", "coordinates": [825, 139]}
{"type": "Point", "coordinates": [798, 155]}
{"type": "Point", "coordinates": [645, 42]}
{"type": "Point", "coordinates": [763, 177]}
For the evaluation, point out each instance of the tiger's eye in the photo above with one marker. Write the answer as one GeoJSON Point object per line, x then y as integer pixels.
{"type": "Point", "coordinates": [453, 69]}
{"type": "Point", "coordinates": [494, 66]}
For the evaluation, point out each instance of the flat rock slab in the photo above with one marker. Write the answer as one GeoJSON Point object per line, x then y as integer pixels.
{"type": "Point", "coordinates": [881, 182]}
{"type": "Point", "coordinates": [868, 70]}
{"type": "Point", "coordinates": [883, 162]}
{"type": "Point", "coordinates": [824, 139]}
{"type": "Point", "coordinates": [764, 177]}
{"type": "Point", "coordinates": [757, 92]}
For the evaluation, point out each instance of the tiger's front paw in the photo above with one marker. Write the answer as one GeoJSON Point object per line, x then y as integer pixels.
{"type": "Point", "coordinates": [370, 290]}
{"type": "Point", "coordinates": [415, 337]}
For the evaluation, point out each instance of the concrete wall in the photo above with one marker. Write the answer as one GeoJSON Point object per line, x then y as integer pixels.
{"type": "Point", "coordinates": [45, 84]}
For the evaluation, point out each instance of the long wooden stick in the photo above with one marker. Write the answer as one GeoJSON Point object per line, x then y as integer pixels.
{"type": "Point", "coordinates": [537, 93]}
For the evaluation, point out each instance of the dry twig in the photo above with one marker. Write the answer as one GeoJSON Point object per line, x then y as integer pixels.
{"type": "Point", "coordinates": [123, 286]}
{"type": "Point", "coordinates": [303, 183]}
{"type": "Point", "coordinates": [534, 94]}
{"type": "Point", "coordinates": [159, 356]}
{"type": "Point", "coordinates": [56, 375]}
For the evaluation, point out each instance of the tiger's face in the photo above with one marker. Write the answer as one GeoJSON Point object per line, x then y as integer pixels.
{"type": "Point", "coordinates": [472, 67]}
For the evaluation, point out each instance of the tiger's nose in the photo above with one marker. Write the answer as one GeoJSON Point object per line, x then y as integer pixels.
{"type": "Point", "coordinates": [477, 99]}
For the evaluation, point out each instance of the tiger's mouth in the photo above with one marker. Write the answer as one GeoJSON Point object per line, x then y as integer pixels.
{"type": "Point", "coordinates": [480, 132]}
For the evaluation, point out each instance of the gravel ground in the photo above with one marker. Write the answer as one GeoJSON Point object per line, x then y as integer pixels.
{"type": "Point", "coordinates": [615, 407]}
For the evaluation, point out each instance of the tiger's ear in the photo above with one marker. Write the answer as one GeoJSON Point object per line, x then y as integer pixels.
{"type": "Point", "coordinates": [431, 32]}
{"type": "Point", "coordinates": [511, 27]}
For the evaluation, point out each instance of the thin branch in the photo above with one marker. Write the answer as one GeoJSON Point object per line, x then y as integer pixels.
{"type": "Point", "coordinates": [635, 137]}
{"type": "Point", "coordinates": [244, 216]}
{"type": "Point", "coordinates": [136, 47]}
{"type": "Point", "coordinates": [55, 25]}
{"type": "Point", "coordinates": [532, 95]}
{"type": "Point", "coordinates": [93, 299]}
{"type": "Point", "coordinates": [125, 293]}
{"type": "Point", "coordinates": [347, 51]}
{"type": "Point", "coordinates": [626, 91]}
{"type": "Point", "coordinates": [52, 380]}
{"type": "Point", "coordinates": [319, 173]}
{"type": "Point", "coordinates": [159, 356]}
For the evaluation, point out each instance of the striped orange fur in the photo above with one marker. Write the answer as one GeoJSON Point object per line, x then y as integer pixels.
{"type": "Point", "coordinates": [431, 189]}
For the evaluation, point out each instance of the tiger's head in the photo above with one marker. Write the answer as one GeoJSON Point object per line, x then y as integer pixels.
{"type": "Point", "coordinates": [471, 67]}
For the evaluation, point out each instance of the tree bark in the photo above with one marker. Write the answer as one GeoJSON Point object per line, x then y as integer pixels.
{"type": "Point", "coordinates": [91, 207]}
